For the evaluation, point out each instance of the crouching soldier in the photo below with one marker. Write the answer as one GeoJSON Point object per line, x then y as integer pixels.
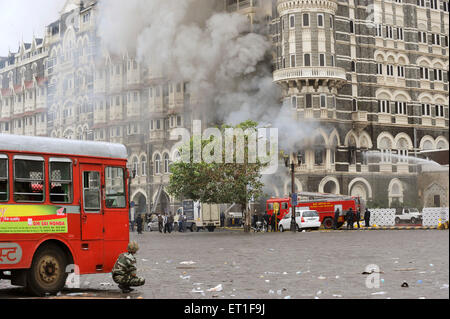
{"type": "Point", "coordinates": [124, 271]}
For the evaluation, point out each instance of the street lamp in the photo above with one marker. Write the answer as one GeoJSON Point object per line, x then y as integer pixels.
{"type": "Point", "coordinates": [293, 193]}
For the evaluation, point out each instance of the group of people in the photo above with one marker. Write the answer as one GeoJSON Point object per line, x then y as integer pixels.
{"type": "Point", "coordinates": [168, 223]}
{"type": "Point", "coordinates": [351, 217]}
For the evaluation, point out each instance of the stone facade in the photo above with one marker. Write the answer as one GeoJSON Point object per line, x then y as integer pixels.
{"type": "Point", "coordinates": [372, 74]}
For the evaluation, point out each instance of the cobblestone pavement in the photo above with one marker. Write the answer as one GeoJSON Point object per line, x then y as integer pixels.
{"type": "Point", "coordinates": [279, 265]}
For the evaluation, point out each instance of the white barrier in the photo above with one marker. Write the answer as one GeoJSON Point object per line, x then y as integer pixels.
{"type": "Point", "coordinates": [431, 215]}
{"type": "Point", "coordinates": [382, 217]}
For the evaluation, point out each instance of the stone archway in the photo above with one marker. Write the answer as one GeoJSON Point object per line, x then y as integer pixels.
{"type": "Point", "coordinates": [329, 185]}
{"type": "Point", "coordinates": [141, 203]}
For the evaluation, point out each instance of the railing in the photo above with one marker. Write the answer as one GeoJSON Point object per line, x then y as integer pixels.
{"type": "Point", "coordinates": [310, 73]}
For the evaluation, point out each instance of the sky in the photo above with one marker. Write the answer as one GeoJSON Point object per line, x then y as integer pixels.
{"type": "Point", "coordinates": [20, 19]}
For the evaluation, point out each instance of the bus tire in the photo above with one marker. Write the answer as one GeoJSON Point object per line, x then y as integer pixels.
{"type": "Point", "coordinates": [328, 223]}
{"type": "Point", "coordinates": [47, 274]}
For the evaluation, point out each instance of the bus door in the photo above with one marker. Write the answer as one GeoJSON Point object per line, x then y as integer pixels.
{"type": "Point", "coordinates": [91, 207]}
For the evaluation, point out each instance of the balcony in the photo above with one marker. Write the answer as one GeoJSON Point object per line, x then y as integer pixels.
{"type": "Point", "coordinates": [328, 75]}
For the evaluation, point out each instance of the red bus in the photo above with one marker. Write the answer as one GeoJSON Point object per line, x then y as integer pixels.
{"type": "Point", "coordinates": [63, 206]}
{"type": "Point", "coordinates": [324, 204]}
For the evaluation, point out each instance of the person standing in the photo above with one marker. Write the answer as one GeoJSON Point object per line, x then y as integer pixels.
{"type": "Point", "coordinates": [222, 219]}
{"type": "Point", "coordinates": [350, 218]}
{"type": "Point", "coordinates": [170, 221]}
{"type": "Point", "coordinates": [266, 220]}
{"type": "Point", "coordinates": [272, 222]}
{"type": "Point", "coordinates": [139, 222]}
{"type": "Point", "coordinates": [336, 218]}
{"type": "Point", "coordinates": [367, 218]}
{"type": "Point", "coordinates": [358, 217]}
{"type": "Point", "coordinates": [160, 223]}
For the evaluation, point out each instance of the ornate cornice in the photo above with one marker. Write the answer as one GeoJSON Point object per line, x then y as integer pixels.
{"type": "Point", "coordinates": [293, 6]}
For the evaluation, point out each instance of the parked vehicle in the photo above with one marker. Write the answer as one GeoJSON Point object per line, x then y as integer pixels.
{"type": "Point", "coordinates": [153, 225]}
{"type": "Point", "coordinates": [201, 216]}
{"type": "Point", "coordinates": [411, 215]}
{"type": "Point", "coordinates": [324, 204]}
{"type": "Point", "coordinates": [305, 219]}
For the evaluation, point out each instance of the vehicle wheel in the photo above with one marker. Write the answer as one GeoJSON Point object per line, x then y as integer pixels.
{"type": "Point", "coordinates": [397, 220]}
{"type": "Point", "coordinates": [48, 271]}
{"type": "Point", "coordinates": [328, 223]}
{"type": "Point", "coordinates": [413, 220]}
{"type": "Point", "coordinates": [194, 228]}
{"type": "Point", "coordinates": [281, 228]}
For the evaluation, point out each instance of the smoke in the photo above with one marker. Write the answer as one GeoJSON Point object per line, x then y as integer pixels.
{"type": "Point", "coordinates": [227, 66]}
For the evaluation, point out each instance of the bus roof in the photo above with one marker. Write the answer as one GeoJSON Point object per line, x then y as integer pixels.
{"type": "Point", "coordinates": [61, 146]}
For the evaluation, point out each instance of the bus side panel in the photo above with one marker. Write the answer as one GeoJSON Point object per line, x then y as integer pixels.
{"type": "Point", "coordinates": [116, 237]}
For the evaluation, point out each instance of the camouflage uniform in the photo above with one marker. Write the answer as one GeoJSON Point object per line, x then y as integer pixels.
{"type": "Point", "coordinates": [124, 271]}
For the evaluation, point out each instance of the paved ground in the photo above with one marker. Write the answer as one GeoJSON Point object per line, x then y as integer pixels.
{"type": "Point", "coordinates": [278, 265]}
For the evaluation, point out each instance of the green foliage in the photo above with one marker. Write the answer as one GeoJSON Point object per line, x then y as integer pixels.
{"type": "Point", "coordinates": [218, 182]}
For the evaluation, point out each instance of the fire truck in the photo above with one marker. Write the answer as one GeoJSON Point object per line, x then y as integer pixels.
{"type": "Point", "coordinates": [324, 204]}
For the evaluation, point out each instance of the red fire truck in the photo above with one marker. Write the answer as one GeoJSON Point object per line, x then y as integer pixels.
{"type": "Point", "coordinates": [63, 206]}
{"type": "Point", "coordinates": [324, 204]}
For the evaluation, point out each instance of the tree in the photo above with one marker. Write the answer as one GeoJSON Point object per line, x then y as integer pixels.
{"type": "Point", "coordinates": [220, 181]}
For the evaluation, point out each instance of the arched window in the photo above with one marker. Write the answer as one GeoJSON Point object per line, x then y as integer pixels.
{"type": "Point", "coordinates": [166, 163]}
{"type": "Point", "coordinates": [157, 164]}
{"type": "Point", "coordinates": [144, 165]}
{"type": "Point", "coordinates": [402, 147]}
{"type": "Point", "coordinates": [386, 150]}
{"type": "Point", "coordinates": [319, 150]}
{"type": "Point", "coordinates": [136, 166]}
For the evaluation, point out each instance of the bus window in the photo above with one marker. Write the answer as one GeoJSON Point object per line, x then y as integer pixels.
{"type": "Point", "coordinates": [284, 205]}
{"type": "Point", "coordinates": [115, 188]}
{"type": "Point", "coordinates": [28, 179]}
{"type": "Point", "coordinates": [3, 178]}
{"type": "Point", "coordinates": [60, 180]}
{"type": "Point", "coordinates": [270, 206]}
{"type": "Point", "coordinates": [91, 191]}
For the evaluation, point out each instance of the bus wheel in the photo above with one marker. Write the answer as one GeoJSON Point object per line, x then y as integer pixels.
{"type": "Point", "coordinates": [328, 223]}
{"type": "Point", "coordinates": [48, 271]}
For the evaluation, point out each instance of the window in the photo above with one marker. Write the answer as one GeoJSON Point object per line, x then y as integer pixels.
{"type": "Point", "coordinates": [166, 163]}
{"type": "Point", "coordinates": [389, 32]}
{"type": "Point", "coordinates": [354, 105]}
{"type": "Point", "coordinates": [435, 39]}
{"type": "Point", "coordinates": [320, 20]}
{"type": "Point", "coordinates": [424, 73]}
{"type": "Point", "coordinates": [401, 71]}
{"type": "Point", "coordinates": [143, 166]}
{"type": "Point", "coordinates": [439, 112]}
{"type": "Point", "coordinates": [323, 100]}
{"type": "Point", "coordinates": [353, 66]}
{"type": "Point", "coordinates": [422, 37]}
{"type": "Point", "coordinates": [308, 101]}
{"type": "Point", "coordinates": [60, 180]}
{"type": "Point", "coordinates": [390, 70]}
{"type": "Point", "coordinates": [293, 61]}
{"type": "Point", "coordinates": [379, 68]}
{"type": "Point", "coordinates": [331, 22]}
{"type": "Point", "coordinates": [28, 179]}
{"type": "Point", "coordinates": [433, 4]}
{"type": "Point", "coordinates": [399, 33]}
{"type": "Point", "coordinates": [91, 191]}
{"type": "Point", "coordinates": [115, 188]}
{"type": "Point", "coordinates": [294, 102]}
{"type": "Point", "coordinates": [318, 156]}
{"type": "Point", "coordinates": [157, 164]}
{"type": "Point", "coordinates": [291, 21]}
{"type": "Point", "coordinates": [332, 60]}
{"type": "Point", "coordinates": [306, 20]}
{"type": "Point", "coordinates": [384, 106]}
{"type": "Point", "coordinates": [400, 108]}
{"type": "Point", "coordinates": [307, 59]}
{"type": "Point", "coordinates": [379, 29]}
{"type": "Point", "coordinates": [322, 59]}
{"type": "Point", "coordinates": [438, 75]}
{"type": "Point", "coordinates": [3, 178]}
{"type": "Point", "coordinates": [426, 110]}
{"type": "Point", "coordinates": [421, 3]}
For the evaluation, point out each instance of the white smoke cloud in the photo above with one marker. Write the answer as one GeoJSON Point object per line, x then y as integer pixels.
{"type": "Point", "coordinates": [227, 66]}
